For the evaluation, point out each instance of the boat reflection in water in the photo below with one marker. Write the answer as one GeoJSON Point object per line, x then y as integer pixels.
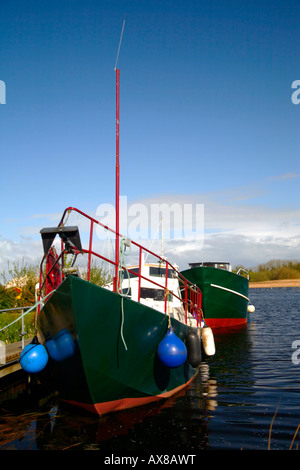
{"type": "Point", "coordinates": [209, 388]}
{"type": "Point", "coordinates": [179, 423]}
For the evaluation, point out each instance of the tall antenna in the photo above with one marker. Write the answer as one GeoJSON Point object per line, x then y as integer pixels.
{"type": "Point", "coordinates": [117, 163]}
{"type": "Point", "coordinates": [119, 45]}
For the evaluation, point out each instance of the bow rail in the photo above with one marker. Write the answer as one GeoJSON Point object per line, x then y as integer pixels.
{"type": "Point", "coordinates": [51, 275]}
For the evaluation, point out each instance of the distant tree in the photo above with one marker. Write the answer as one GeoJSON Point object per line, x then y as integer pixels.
{"type": "Point", "coordinates": [23, 278]}
{"type": "Point", "coordinates": [275, 269]}
{"type": "Point", "coordinates": [98, 275]}
{"type": "Point", "coordinates": [7, 297]}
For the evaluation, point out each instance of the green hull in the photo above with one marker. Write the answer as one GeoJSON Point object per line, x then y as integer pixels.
{"type": "Point", "coordinates": [224, 295]}
{"type": "Point", "coordinates": [113, 362]}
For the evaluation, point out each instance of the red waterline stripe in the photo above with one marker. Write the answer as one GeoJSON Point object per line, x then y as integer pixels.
{"type": "Point", "coordinates": [126, 403]}
{"type": "Point", "coordinates": [225, 322]}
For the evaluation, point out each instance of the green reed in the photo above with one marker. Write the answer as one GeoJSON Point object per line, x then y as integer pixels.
{"type": "Point", "coordinates": [12, 333]}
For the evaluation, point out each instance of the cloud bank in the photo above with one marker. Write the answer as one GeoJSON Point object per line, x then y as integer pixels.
{"type": "Point", "coordinates": [235, 229]}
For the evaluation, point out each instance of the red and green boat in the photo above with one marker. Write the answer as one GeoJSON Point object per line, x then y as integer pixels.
{"type": "Point", "coordinates": [225, 298]}
{"type": "Point", "coordinates": [104, 342]}
{"type": "Point", "coordinates": [126, 344]}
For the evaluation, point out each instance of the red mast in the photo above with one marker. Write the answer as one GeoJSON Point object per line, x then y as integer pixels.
{"type": "Point", "coordinates": [117, 165]}
{"type": "Point", "coordinates": [117, 175]}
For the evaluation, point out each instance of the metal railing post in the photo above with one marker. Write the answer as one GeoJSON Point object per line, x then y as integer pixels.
{"type": "Point", "coordinates": [23, 332]}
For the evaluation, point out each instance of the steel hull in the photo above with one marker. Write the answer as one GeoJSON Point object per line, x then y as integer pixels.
{"type": "Point", "coordinates": [224, 295]}
{"type": "Point", "coordinates": [109, 360]}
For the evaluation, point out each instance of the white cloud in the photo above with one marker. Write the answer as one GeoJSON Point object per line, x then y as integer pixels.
{"type": "Point", "coordinates": [285, 176]}
{"type": "Point", "coordinates": [241, 233]}
{"type": "Point", "coordinates": [236, 229]}
{"type": "Point", "coordinates": [27, 249]}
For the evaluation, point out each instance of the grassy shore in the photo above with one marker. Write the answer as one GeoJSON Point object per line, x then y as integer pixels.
{"type": "Point", "coordinates": [279, 283]}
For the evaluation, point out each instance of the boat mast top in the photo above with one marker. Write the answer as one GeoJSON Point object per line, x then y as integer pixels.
{"type": "Point", "coordinates": [117, 159]}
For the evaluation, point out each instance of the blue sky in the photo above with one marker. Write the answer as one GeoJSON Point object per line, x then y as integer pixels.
{"type": "Point", "coordinates": [206, 117]}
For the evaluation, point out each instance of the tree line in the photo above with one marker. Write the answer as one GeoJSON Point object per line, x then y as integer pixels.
{"type": "Point", "coordinates": [274, 270]}
{"type": "Point", "coordinates": [21, 292]}
{"type": "Point", "coordinates": [17, 284]}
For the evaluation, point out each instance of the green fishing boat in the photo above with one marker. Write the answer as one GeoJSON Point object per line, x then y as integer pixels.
{"type": "Point", "coordinates": [125, 344]}
{"type": "Point", "coordinates": [225, 299]}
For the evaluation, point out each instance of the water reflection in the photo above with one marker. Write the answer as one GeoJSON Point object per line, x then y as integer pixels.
{"type": "Point", "coordinates": [229, 405]}
{"type": "Point", "coordinates": [209, 387]}
{"type": "Point", "coordinates": [179, 423]}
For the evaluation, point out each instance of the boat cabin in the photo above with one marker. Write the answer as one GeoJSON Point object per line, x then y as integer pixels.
{"type": "Point", "coordinates": [149, 287]}
{"type": "Point", "coordinates": [212, 264]}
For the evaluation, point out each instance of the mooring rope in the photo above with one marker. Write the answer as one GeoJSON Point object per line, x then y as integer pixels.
{"type": "Point", "coordinates": [167, 292]}
{"type": "Point", "coordinates": [122, 264]}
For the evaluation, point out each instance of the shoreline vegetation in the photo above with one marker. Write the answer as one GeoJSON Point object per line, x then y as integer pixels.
{"type": "Point", "coordinates": [275, 273]}
{"type": "Point", "coordinates": [19, 291]}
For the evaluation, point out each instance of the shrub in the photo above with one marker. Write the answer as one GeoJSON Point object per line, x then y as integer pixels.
{"type": "Point", "coordinates": [19, 291]}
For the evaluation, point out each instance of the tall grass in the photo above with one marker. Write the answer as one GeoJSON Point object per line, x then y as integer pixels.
{"type": "Point", "coordinates": [270, 432]}
{"type": "Point", "coordinates": [19, 293]}
{"type": "Point", "coordinates": [12, 333]}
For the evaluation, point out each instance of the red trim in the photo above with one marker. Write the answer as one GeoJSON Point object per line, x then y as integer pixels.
{"type": "Point", "coordinates": [189, 301]}
{"type": "Point", "coordinates": [225, 322]}
{"type": "Point", "coordinates": [125, 403]}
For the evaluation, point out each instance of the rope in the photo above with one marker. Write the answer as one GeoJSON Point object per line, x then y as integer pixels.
{"type": "Point", "coordinates": [122, 264]}
{"type": "Point", "coordinates": [122, 324]}
{"type": "Point", "coordinates": [167, 292]}
{"type": "Point", "coordinates": [28, 311]}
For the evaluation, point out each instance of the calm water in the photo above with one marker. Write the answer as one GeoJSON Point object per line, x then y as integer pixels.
{"type": "Point", "coordinates": [230, 405]}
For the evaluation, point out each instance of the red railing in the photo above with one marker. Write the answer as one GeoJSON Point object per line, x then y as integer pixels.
{"type": "Point", "coordinates": [191, 296]}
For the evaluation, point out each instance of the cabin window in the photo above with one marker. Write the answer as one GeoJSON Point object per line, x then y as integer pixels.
{"type": "Point", "coordinates": [160, 272]}
{"type": "Point", "coordinates": [135, 271]}
{"type": "Point", "coordinates": [155, 294]}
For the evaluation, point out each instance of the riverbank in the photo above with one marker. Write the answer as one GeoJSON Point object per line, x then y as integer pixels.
{"type": "Point", "coordinates": [278, 283]}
